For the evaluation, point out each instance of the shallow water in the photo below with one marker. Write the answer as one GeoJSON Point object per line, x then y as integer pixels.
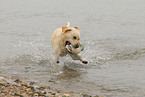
{"type": "Point", "coordinates": [112, 33]}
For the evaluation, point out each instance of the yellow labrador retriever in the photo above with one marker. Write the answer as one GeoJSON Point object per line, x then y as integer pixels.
{"type": "Point", "coordinates": [63, 37]}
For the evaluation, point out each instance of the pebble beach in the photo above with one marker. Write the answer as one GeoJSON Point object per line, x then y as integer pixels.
{"type": "Point", "coordinates": [18, 88]}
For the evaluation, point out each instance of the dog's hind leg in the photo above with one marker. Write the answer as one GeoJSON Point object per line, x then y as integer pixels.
{"type": "Point", "coordinates": [78, 57]}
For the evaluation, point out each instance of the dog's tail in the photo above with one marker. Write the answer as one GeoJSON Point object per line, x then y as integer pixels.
{"type": "Point", "coordinates": [68, 24]}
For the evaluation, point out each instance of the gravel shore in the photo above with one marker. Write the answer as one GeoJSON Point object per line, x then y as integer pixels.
{"type": "Point", "coordinates": [21, 89]}
{"type": "Point", "coordinates": [18, 88]}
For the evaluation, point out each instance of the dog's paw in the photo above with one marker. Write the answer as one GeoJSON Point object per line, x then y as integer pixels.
{"type": "Point", "coordinates": [85, 61]}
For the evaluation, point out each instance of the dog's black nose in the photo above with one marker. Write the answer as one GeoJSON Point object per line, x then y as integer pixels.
{"type": "Point", "coordinates": [76, 46]}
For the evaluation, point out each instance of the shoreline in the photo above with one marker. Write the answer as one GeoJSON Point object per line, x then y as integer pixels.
{"type": "Point", "coordinates": [18, 88]}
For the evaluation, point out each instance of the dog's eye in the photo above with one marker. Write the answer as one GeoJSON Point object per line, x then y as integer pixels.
{"type": "Point", "coordinates": [75, 37]}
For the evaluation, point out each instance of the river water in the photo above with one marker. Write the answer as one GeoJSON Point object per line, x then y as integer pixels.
{"type": "Point", "coordinates": [112, 32]}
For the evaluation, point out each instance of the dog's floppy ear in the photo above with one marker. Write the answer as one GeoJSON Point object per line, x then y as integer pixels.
{"type": "Point", "coordinates": [76, 28]}
{"type": "Point", "coordinates": [65, 29]}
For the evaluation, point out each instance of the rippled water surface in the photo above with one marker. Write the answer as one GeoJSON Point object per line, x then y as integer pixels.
{"type": "Point", "coordinates": [112, 32]}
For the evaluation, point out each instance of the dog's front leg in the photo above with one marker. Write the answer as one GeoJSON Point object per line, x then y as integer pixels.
{"type": "Point", "coordinates": [56, 55]}
{"type": "Point", "coordinates": [79, 57]}
{"type": "Point", "coordinates": [56, 58]}
{"type": "Point", "coordinates": [57, 61]}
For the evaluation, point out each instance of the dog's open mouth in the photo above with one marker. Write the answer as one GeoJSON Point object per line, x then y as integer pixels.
{"type": "Point", "coordinates": [68, 46]}
{"type": "Point", "coordinates": [73, 50]}
{"type": "Point", "coordinates": [67, 43]}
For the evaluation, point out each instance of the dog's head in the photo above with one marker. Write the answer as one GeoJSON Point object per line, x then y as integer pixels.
{"type": "Point", "coordinates": [71, 36]}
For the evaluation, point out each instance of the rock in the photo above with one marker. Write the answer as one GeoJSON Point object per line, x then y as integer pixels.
{"type": "Point", "coordinates": [51, 81]}
{"type": "Point", "coordinates": [31, 93]}
{"type": "Point", "coordinates": [57, 82]}
{"type": "Point", "coordinates": [1, 84]}
{"type": "Point", "coordinates": [3, 91]}
{"type": "Point", "coordinates": [47, 87]}
{"type": "Point", "coordinates": [86, 95]}
{"type": "Point", "coordinates": [53, 93]}
{"type": "Point", "coordinates": [1, 77]}
{"type": "Point", "coordinates": [65, 95]}
{"type": "Point", "coordinates": [36, 94]}
{"type": "Point", "coordinates": [32, 88]}
{"type": "Point", "coordinates": [3, 87]}
{"type": "Point", "coordinates": [49, 93]}
{"type": "Point", "coordinates": [58, 91]}
{"type": "Point", "coordinates": [31, 83]}
{"type": "Point", "coordinates": [2, 95]}
{"type": "Point", "coordinates": [18, 95]}
{"type": "Point", "coordinates": [24, 84]}
{"type": "Point", "coordinates": [17, 81]}
{"type": "Point", "coordinates": [40, 93]}
{"type": "Point", "coordinates": [7, 85]}
{"type": "Point", "coordinates": [43, 92]}
{"type": "Point", "coordinates": [41, 88]}
{"type": "Point", "coordinates": [28, 90]}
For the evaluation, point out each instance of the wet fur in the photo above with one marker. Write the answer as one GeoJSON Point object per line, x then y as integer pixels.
{"type": "Point", "coordinates": [58, 41]}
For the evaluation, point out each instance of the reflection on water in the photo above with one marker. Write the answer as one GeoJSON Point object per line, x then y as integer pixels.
{"type": "Point", "coordinates": [68, 73]}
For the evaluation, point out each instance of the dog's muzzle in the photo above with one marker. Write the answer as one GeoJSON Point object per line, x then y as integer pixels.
{"type": "Point", "coordinates": [70, 47]}
{"type": "Point", "coordinates": [76, 46]}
